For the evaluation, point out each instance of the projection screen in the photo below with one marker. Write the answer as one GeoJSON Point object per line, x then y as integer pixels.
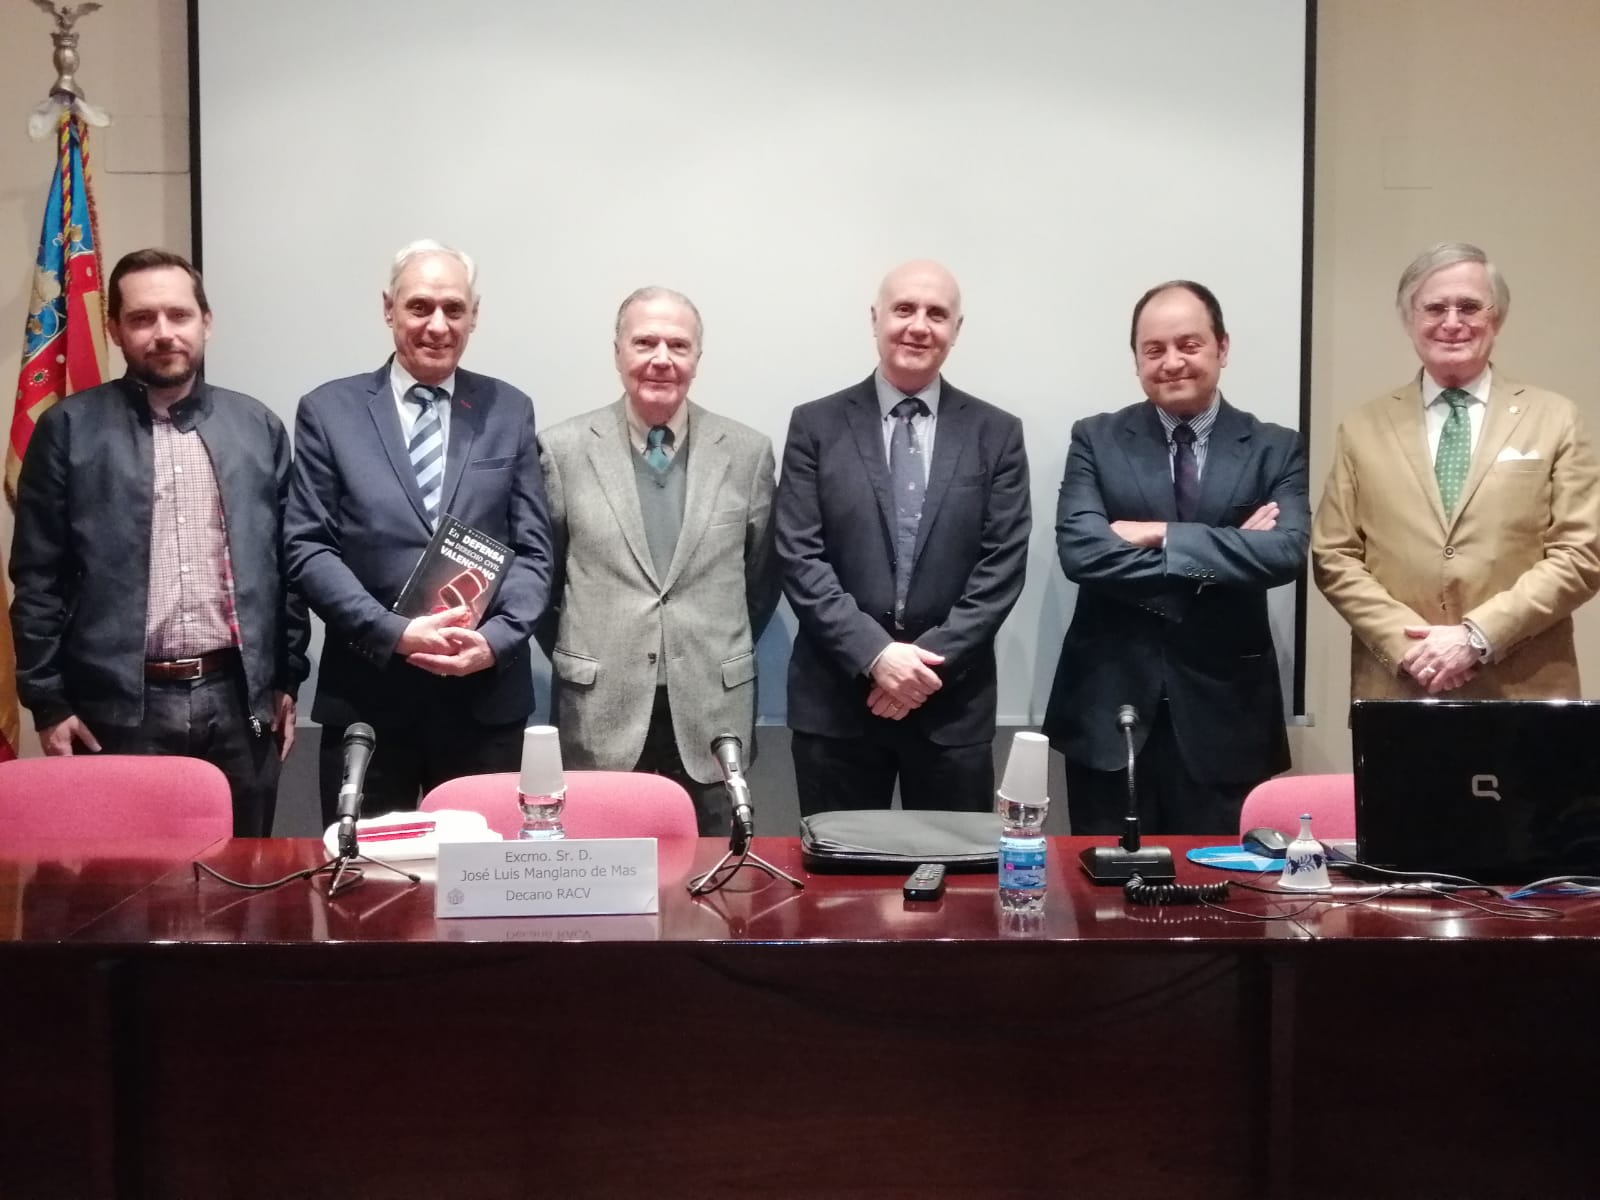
{"type": "Point", "coordinates": [772, 160]}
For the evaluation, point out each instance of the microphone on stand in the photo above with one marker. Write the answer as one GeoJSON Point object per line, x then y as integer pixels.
{"type": "Point", "coordinates": [358, 743]}
{"type": "Point", "coordinates": [1128, 721]}
{"type": "Point", "coordinates": [341, 868]}
{"type": "Point", "coordinates": [1115, 865]}
{"type": "Point", "coordinates": [729, 752]}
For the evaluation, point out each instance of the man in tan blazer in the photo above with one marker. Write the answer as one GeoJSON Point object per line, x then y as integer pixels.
{"type": "Point", "coordinates": [662, 516]}
{"type": "Point", "coordinates": [1457, 531]}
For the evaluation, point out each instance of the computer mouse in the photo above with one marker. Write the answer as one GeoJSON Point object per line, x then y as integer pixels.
{"type": "Point", "coordinates": [1265, 841]}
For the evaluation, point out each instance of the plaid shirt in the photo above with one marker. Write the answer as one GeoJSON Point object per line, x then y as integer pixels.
{"type": "Point", "coordinates": [191, 606]}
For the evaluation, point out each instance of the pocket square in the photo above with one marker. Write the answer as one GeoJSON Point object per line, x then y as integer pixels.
{"type": "Point", "coordinates": [1509, 454]}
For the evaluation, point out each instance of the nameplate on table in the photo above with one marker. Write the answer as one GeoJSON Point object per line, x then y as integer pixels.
{"type": "Point", "coordinates": [546, 879]}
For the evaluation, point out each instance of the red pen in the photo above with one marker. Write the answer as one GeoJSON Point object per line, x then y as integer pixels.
{"type": "Point", "coordinates": [390, 833]}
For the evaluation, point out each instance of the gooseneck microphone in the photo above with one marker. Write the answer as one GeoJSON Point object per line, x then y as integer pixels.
{"type": "Point", "coordinates": [1128, 721]}
{"type": "Point", "coordinates": [358, 743]}
{"type": "Point", "coordinates": [1115, 865]}
{"type": "Point", "coordinates": [729, 752]}
{"type": "Point", "coordinates": [342, 869]}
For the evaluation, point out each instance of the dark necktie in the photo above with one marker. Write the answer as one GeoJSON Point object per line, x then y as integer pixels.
{"type": "Point", "coordinates": [1455, 448]}
{"type": "Point", "coordinates": [909, 478]}
{"type": "Point", "coordinates": [1185, 472]}
{"type": "Point", "coordinates": [655, 447]}
{"type": "Point", "coordinates": [427, 448]}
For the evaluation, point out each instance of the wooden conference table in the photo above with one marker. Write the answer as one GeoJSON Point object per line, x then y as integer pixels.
{"type": "Point", "coordinates": [163, 1037]}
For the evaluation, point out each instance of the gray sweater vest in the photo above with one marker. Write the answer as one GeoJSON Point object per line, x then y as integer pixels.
{"type": "Point", "coordinates": [661, 500]}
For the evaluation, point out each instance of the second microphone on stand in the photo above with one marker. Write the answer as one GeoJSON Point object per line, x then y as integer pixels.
{"type": "Point", "coordinates": [1120, 863]}
{"type": "Point", "coordinates": [359, 740]}
{"type": "Point", "coordinates": [729, 753]}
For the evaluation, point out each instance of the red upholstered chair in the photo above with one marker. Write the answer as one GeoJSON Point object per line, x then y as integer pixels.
{"type": "Point", "coordinates": [599, 804]}
{"type": "Point", "coordinates": [96, 796]}
{"type": "Point", "coordinates": [1278, 803]}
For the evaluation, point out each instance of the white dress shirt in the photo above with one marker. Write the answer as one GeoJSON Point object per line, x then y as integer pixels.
{"type": "Point", "coordinates": [401, 381]}
{"type": "Point", "coordinates": [1436, 411]}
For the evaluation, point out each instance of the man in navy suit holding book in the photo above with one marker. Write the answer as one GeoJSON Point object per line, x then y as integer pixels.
{"type": "Point", "coordinates": [380, 460]}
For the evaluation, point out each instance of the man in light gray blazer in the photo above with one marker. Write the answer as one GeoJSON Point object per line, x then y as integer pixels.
{"type": "Point", "coordinates": [662, 518]}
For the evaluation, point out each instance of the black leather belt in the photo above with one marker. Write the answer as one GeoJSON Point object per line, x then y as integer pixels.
{"type": "Point", "coordinates": [177, 670]}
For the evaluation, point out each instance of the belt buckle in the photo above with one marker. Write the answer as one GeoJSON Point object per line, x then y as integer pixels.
{"type": "Point", "coordinates": [186, 668]}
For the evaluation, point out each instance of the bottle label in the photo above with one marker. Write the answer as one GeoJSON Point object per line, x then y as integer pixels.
{"type": "Point", "coordinates": [1022, 867]}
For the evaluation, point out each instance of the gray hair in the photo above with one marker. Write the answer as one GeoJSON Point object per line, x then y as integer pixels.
{"type": "Point", "coordinates": [426, 246]}
{"type": "Point", "coordinates": [646, 294]}
{"type": "Point", "coordinates": [1437, 258]}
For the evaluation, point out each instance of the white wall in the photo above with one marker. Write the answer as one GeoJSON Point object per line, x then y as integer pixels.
{"type": "Point", "coordinates": [772, 161]}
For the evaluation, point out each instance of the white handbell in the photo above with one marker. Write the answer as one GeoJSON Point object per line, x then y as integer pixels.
{"type": "Point", "coordinates": [1305, 863]}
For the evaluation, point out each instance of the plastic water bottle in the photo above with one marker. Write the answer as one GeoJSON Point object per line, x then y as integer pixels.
{"type": "Point", "coordinates": [1022, 802]}
{"type": "Point", "coordinates": [541, 816]}
{"type": "Point", "coordinates": [1022, 855]}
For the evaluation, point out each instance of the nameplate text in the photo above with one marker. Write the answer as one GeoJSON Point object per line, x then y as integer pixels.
{"type": "Point", "coordinates": [546, 879]}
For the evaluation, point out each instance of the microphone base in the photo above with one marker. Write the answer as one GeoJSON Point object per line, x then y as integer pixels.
{"type": "Point", "coordinates": [1112, 866]}
{"type": "Point", "coordinates": [344, 873]}
{"type": "Point", "coordinates": [729, 865]}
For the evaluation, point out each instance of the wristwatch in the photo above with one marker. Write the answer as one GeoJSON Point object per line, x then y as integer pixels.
{"type": "Point", "coordinates": [1476, 640]}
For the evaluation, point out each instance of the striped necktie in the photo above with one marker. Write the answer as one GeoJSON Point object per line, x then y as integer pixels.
{"type": "Point", "coordinates": [427, 448]}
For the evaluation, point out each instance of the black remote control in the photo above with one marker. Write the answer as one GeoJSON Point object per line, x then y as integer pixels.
{"type": "Point", "coordinates": [925, 883]}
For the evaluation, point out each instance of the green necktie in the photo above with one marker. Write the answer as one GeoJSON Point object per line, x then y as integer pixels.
{"type": "Point", "coordinates": [1455, 448]}
{"type": "Point", "coordinates": [655, 447]}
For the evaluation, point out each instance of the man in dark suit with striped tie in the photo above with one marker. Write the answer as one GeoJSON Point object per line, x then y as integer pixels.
{"type": "Point", "coordinates": [1176, 515]}
{"type": "Point", "coordinates": [379, 459]}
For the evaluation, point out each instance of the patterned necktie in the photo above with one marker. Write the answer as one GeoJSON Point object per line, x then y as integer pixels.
{"type": "Point", "coordinates": [1185, 472]}
{"type": "Point", "coordinates": [427, 448]}
{"type": "Point", "coordinates": [655, 447]}
{"type": "Point", "coordinates": [1455, 448]}
{"type": "Point", "coordinates": [907, 473]}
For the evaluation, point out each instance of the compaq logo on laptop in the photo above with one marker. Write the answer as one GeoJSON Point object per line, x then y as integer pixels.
{"type": "Point", "coordinates": [1486, 787]}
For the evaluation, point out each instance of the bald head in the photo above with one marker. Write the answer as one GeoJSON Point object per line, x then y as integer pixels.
{"type": "Point", "coordinates": [915, 322]}
{"type": "Point", "coordinates": [921, 272]}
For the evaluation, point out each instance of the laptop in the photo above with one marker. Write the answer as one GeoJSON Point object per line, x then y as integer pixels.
{"type": "Point", "coordinates": [1501, 791]}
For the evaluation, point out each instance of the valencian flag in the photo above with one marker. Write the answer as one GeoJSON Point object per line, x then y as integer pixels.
{"type": "Point", "coordinates": [64, 340]}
